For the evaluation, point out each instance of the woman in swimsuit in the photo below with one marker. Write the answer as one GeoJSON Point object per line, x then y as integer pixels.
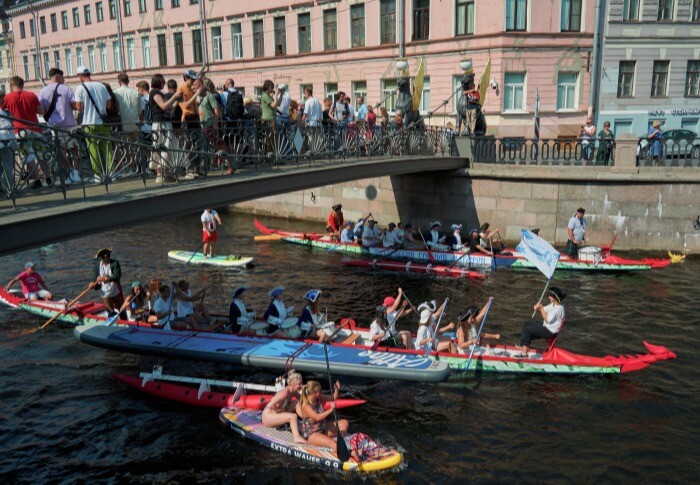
{"type": "Point", "coordinates": [277, 412]}
{"type": "Point", "coordinates": [314, 426]}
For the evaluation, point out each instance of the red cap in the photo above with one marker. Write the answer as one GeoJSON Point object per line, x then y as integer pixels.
{"type": "Point", "coordinates": [389, 300]}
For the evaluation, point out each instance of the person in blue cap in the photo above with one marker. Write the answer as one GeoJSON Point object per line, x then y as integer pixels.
{"type": "Point", "coordinates": [348, 234]}
{"type": "Point", "coordinates": [238, 315]}
{"type": "Point", "coordinates": [312, 318]}
{"type": "Point", "coordinates": [277, 313]}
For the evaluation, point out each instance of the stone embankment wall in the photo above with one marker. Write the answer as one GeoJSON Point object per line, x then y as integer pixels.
{"type": "Point", "coordinates": [653, 209]}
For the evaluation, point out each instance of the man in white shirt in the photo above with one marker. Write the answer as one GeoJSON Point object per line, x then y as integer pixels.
{"type": "Point", "coordinates": [348, 234]}
{"type": "Point", "coordinates": [391, 237]}
{"type": "Point", "coordinates": [163, 308]}
{"type": "Point", "coordinates": [129, 102]}
{"type": "Point", "coordinates": [209, 219]}
{"type": "Point", "coordinates": [92, 101]}
{"type": "Point", "coordinates": [313, 113]}
{"type": "Point", "coordinates": [371, 234]}
{"type": "Point", "coordinates": [361, 109]}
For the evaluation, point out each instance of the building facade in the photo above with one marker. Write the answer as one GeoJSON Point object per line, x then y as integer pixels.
{"type": "Point", "coordinates": [651, 65]}
{"type": "Point", "coordinates": [331, 45]}
{"type": "Point", "coordinates": [6, 55]}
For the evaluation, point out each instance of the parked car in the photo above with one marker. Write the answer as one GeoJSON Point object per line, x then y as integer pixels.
{"type": "Point", "coordinates": [676, 144]}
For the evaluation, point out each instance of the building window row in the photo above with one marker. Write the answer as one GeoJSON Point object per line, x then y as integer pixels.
{"type": "Point", "coordinates": [660, 79]}
{"type": "Point", "coordinates": [665, 10]}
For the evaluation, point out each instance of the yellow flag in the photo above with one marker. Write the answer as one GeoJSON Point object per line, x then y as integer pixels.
{"type": "Point", "coordinates": [418, 86]}
{"type": "Point", "coordinates": [484, 82]}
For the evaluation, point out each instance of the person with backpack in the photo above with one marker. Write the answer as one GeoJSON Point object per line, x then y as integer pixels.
{"type": "Point", "coordinates": [234, 105]}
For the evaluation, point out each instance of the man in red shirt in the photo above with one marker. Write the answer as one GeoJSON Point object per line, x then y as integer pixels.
{"type": "Point", "coordinates": [335, 222]}
{"type": "Point", "coordinates": [33, 286]}
{"type": "Point", "coordinates": [23, 106]}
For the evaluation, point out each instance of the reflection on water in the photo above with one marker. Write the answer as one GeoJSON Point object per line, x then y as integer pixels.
{"type": "Point", "coordinates": [65, 419]}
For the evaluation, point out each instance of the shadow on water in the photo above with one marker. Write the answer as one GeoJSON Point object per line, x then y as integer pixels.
{"type": "Point", "coordinates": [65, 419]}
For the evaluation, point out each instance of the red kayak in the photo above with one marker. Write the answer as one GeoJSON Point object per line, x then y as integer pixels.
{"type": "Point", "coordinates": [190, 395]}
{"type": "Point", "coordinates": [411, 267]}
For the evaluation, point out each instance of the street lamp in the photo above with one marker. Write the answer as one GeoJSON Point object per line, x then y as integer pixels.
{"type": "Point", "coordinates": [465, 64]}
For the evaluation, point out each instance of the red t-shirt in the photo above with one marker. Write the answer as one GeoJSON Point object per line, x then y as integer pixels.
{"type": "Point", "coordinates": [22, 105]}
{"type": "Point", "coordinates": [335, 221]}
{"type": "Point", "coordinates": [30, 282]}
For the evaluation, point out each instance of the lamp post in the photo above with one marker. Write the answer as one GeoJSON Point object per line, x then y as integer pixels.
{"type": "Point", "coordinates": [466, 65]}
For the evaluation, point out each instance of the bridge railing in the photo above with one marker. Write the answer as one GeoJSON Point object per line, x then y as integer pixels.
{"type": "Point", "coordinates": [680, 151]}
{"type": "Point", "coordinates": [74, 159]}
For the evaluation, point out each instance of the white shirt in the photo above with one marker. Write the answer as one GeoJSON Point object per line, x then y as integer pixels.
{"type": "Point", "coordinates": [99, 94]}
{"type": "Point", "coordinates": [129, 107]}
{"type": "Point", "coordinates": [391, 238]}
{"type": "Point", "coordinates": [370, 237]}
{"type": "Point", "coordinates": [359, 229]}
{"type": "Point", "coordinates": [281, 311]}
{"type": "Point", "coordinates": [209, 219]}
{"type": "Point", "coordinates": [555, 317]}
{"type": "Point", "coordinates": [339, 111]}
{"type": "Point", "coordinates": [376, 329]}
{"type": "Point", "coordinates": [578, 227]}
{"type": "Point", "coordinates": [185, 307]}
{"type": "Point", "coordinates": [436, 239]}
{"type": "Point", "coordinates": [313, 112]}
{"type": "Point", "coordinates": [164, 307]}
{"type": "Point", "coordinates": [422, 334]}
{"type": "Point", "coordinates": [283, 107]}
{"type": "Point", "coordinates": [109, 289]}
{"type": "Point", "coordinates": [347, 236]}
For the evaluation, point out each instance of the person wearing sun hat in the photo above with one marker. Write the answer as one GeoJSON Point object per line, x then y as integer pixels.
{"type": "Point", "coordinates": [456, 238]}
{"type": "Point", "coordinates": [433, 238]}
{"type": "Point", "coordinates": [238, 315]}
{"type": "Point", "coordinates": [467, 331]}
{"type": "Point", "coordinates": [311, 319]}
{"type": "Point", "coordinates": [277, 313]}
{"type": "Point", "coordinates": [429, 316]}
{"type": "Point", "coordinates": [107, 275]}
{"type": "Point", "coordinates": [33, 285]}
{"type": "Point", "coordinates": [552, 319]}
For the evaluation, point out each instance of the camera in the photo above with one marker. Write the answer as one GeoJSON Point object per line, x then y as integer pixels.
{"type": "Point", "coordinates": [494, 84]}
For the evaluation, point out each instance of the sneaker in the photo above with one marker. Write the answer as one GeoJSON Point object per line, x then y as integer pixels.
{"type": "Point", "coordinates": [95, 180]}
{"type": "Point", "coordinates": [36, 185]}
{"type": "Point", "coordinates": [159, 179]}
{"type": "Point", "coordinates": [191, 176]}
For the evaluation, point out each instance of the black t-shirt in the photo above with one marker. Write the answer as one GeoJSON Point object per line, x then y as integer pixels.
{"type": "Point", "coordinates": [473, 243]}
{"type": "Point", "coordinates": [156, 112]}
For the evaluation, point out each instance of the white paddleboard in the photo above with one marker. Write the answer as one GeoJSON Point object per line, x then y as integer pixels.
{"type": "Point", "coordinates": [230, 260]}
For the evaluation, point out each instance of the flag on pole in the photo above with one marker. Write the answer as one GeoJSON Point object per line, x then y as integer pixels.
{"type": "Point", "coordinates": [538, 252]}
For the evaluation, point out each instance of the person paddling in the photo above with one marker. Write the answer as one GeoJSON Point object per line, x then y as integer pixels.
{"type": "Point", "coordinates": [239, 317]}
{"type": "Point", "coordinates": [429, 316]}
{"type": "Point", "coordinates": [107, 275]}
{"type": "Point", "coordinates": [552, 319]}
{"type": "Point", "coordinates": [33, 285]}
{"type": "Point", "coordinates": [194, 314]}
{"type": "Point", "coordinates": [277, 313]}
{"type": "Point", "coordinates": [467, 328]}
{"type": "Point", "coordinates": [383, 328]}
{"type": "Point", "coordinates": [137, 305]}
{"type": "Point", "coordinates": [311, 319]}
{"type": "Point", "coordinates": [335, 222]}
{"type": "Point", "coordinates": [314, 425]}
{"type": "Point", "coordinates": [280, 409]}
{"type": "Point", "coordinates": [210, 218]}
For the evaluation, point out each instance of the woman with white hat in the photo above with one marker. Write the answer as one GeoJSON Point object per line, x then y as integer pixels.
{"type": "Point", "coordinates": [428, 318]}
{"type": "Point", "coordinates": [433, 238]}
{"type": "Point", "coordinates": [277, 313]}
{"type": "Point", "coordinates": [311, 320]}
{"type": "Point", "coordinates": [239, 317]}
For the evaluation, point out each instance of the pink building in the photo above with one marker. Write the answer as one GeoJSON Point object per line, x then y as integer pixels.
{"type": "Point", "coordinates": [349, 45]}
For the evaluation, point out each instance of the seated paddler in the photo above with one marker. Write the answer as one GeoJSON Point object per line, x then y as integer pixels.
{"type": "Point", "coordinates": [548, 325]}
{"type": "Point", "coordinates": [348, 234]}
{"type": "Point", "coordinates": [239, 317]}
{"type": "Point", "coordinates": [312, 322]}
{"type": "Point", "coordinates": [456, 238]}
{"type": "Point", "coordinates": [277, 315]}
{"type": "Point", "coordinates": [433, 238]}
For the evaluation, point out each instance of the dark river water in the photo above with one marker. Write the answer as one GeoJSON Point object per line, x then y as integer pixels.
{"type": "Point", "coordinates": [64, 419]}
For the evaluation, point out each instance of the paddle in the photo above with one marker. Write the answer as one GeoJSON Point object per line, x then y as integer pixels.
{"type": "Point", "coordinates": [435, 328]}
{"type": "Point", "coordinates": [478, 335]}
{"type": "Point", "coordinates": [466, 253]}
{"type": "Point", "coordinates": [198, 248]}
{"type": "Point", "coordinates": [65, 309]}
{"type": "Point", "coordinates": [343, 452]}
{"type": "Point", "coordinates": [430, 254]}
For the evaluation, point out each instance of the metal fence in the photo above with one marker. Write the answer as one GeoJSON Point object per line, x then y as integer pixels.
{"type": "Point", "coordinates": [68, 160]}
{"type": "Point", "coordinates": [669, 152]}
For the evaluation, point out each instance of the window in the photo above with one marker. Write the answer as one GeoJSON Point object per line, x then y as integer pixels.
{"type": "Point", "coordinates": [622, 127]}
{"type": "Point", "coordinates": [42, 24]}
{"type": "Point", "coordinates": [330, 30]}
{"type": "Point", "coordinates": [217, 47]}
{"type": "Point", "coordinates": [304, 26]}
{"type": "Point", "coordinates": [425, 96]}
{"type": "Point", "coordinates": [158, 5]}
{"type": "Point", "coordinates": [359, 88]}
{"type": "Point", "coordinates": [57, 59]}
{"type": "Point", "coordinates": [88, 15]}
{"type": "Point", "coordinates": [22, 31]}
{"type": "Point", "coordinates": [387, 22]}
{"type": "Point", "coordinates": [329, 90]}
{"type": "Point", "coordinates": [571, 15]}
{"type": "Point", "coordinates": [32, 31]}
{"type": "Point", "coordinates": [258, 39]}
{"type": "Point", "coordinates": [692, 79]}
{"type": "Point", "coordinates": [665, 10]}
{"type": "Point", "coordinates": [98, 12]}
{"type": "Point", "coordinates": [92, 65]}
{"type": "Point", "coordinates": [464, 17]}
{"type": "Point", "coordinates": [514, 91]}
{"type": "Point", "coordinates": [630, 10]}
{"type": "Point", "coordinates": [130, 54]}
{"type": "Point", "coordinates": [175, 3]}
{"type": "Point", "coordinates": [142, 6]}
{"type": "Point", "coordinates": [257, 90]}
{"type": "Point", "coordinates": [47, 63]}
{"type": "Point", "coordinates": [103, 57]}
{"type": "Point", "coordinates": [280, 36]}
{"type": "Point", "coordinates": [357, 25]}
{"type": "Point", "coordinates": [116, 54]}
{"type": "Point", "coordinates": [566, 90]}
{"type": "Point", "coordinates": [64, 20]}
{"type": "Point", "coordinates": [112, 9]}
{"type": "Point", "coordinates": [127, 8]}
{"type": "Point", "coordinates": [35, 58]}
{"type": "Point", "coordinates": [197, 46]}
{"type": "Point", "coordinates": [69, 62]}
{"type": "Point", "coordinates": [146, 51]}
{"type": "Point", "coordinates": [25, 61]}
{"type": "Point", "coordinates": [76, 17]}
{"type": "Point", "coordinates": [179, 48]}
{"type": "Point", "coordinates": [421, 19]}
{"type": "Point", "coordinates": [237, 40]}
{"type": "Point", "coordinates": [695, 15]}
{"type": "Point", "coordinates": [625, 79]}
{"type": "Point", "coordinates": [659, 78]}
{"type": "Point", "coordinates": [389, 87]}
{"type": "Point", "coordinates": [54, 22]}
{"type": "Point", "coordinates": [162, 50]}
{"type": "Point", "coordinates": [79, 56]}
{"type": "Point", "coordinates": [516, 15]}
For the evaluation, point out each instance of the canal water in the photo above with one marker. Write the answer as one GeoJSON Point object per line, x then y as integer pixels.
{"type": "Point", "coordinates": [64, 419]}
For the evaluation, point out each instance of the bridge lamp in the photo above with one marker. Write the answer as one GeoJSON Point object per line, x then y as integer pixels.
{"type": "Point", "coordinates": [402, 67]}
{"type": "Point", "coordinates": [465, 64]}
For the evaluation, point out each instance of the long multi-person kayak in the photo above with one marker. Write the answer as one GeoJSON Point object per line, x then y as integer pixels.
{"type": "Point", "coordinates": [203, 395]}
{"type": "Point", "coordinates": [249, 424]}
{"type": "Point", "coordinates": [228, 260]}
{"type": "Point", "coordinates": [265, 352]}
{"type": "Point", "coordinates": [73, 315]}
{"type": "Point", "coordinates": [592, 258]}
{"type": "Point", "coordinates": [409, 267]}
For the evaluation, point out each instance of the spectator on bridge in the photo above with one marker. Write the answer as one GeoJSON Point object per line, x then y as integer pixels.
{"type": "Point", "coordinates": [326, 120]}
{"type": "Point", "coordinates": [282, 102]}
{"type": "Point", "coordinates": [383, 117]}
{"type": "Point", "coordinates": [335, 222]}
{"type": "Point", "coordinates": [210, 117]}
{"type": "Point", "coordinates": [187, 89]}
{"type": "Point", "coordinates": [351, 110]}
{"type": "Point", "coordinates": [146, 120]}
{"type": "Point", "coordinates": [175, 112]}
{"type": "Point", "coordinates": [268, 102]}
{"type": "Point", "coordinates": [654, 137]}
{"type": "Point", "coordinates": [113, 114]}
{"type": "Point", "coordinates": [313, 114]}
{"type": "Point", "coordinates": [7, 134]}
{"type": "Point", "coordinates": [362, 109]}
{"type": "Point", "coordinates": [129, 103]}
{"type": "Point", "coordinates": [33, 285]}
{"type": "Point", "coordinates": [23, 106]}
{"type": "Point", "coordinates": [340, 110]}
{"type": "Point", "coordinates": [371, 117]}
{"type": "Point", "coordinates": [58, 101]}
{"type": "Point", "coordinates": [588, 140]}
{"type": "Point", "coordinates": [607, 143]}
{"type": "Point", "coordinates": [164, 138]}
{"type": "Point", "coordinates": [92, 99]}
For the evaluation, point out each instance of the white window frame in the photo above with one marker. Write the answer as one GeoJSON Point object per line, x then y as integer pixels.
{"type": "Point", "coordinates": [523, 108]}
{"type": "Point", "coordinates": [571, 90]}
{"type": "Point", "coordinates": [80, 61]}
{"type": "Point", "coordinates": [130, 53]}
{"type": "Point", "coordinates": [389, 103]}
{"type": "Point", "coordinates": [69, 62]}
{"type": "Point", "coordinates": [92, 63]}
{"type": "Point", "coordinates": [237, 41]}
{"type": "Point", "coordinates": [217, 45]}
{"type": "Point", "coordinates": [117, 57]}
{"type": "Point", "coordinates": [104, 62]}
{"type": "Point", "coordinates": [146, 50]}
{"type": "Point", "coordinates": [362, 92]}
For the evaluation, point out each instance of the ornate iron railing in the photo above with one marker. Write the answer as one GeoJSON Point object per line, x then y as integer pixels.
{"type": "Point", "coordinates": [523, 151]}
{"type": "Point", "coordinates": [669, 152]}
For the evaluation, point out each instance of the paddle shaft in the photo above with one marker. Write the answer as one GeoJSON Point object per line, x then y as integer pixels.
{"type": "Point", "coordinates": [343, 452]}
{"type": "Point", "coordinates": [541, 296]}
{"type": "Point", "coordinates": [65, 309]}
{"type": "Point", "coordinates": [198, 248]}
{"type": "Point", "coordinates": [478, 335]}
{"type": "Point", "coordinates": [435, 329]}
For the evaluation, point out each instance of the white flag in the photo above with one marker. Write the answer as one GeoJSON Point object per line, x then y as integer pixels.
{"type": "Point", "coordinates": [538, 252]}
